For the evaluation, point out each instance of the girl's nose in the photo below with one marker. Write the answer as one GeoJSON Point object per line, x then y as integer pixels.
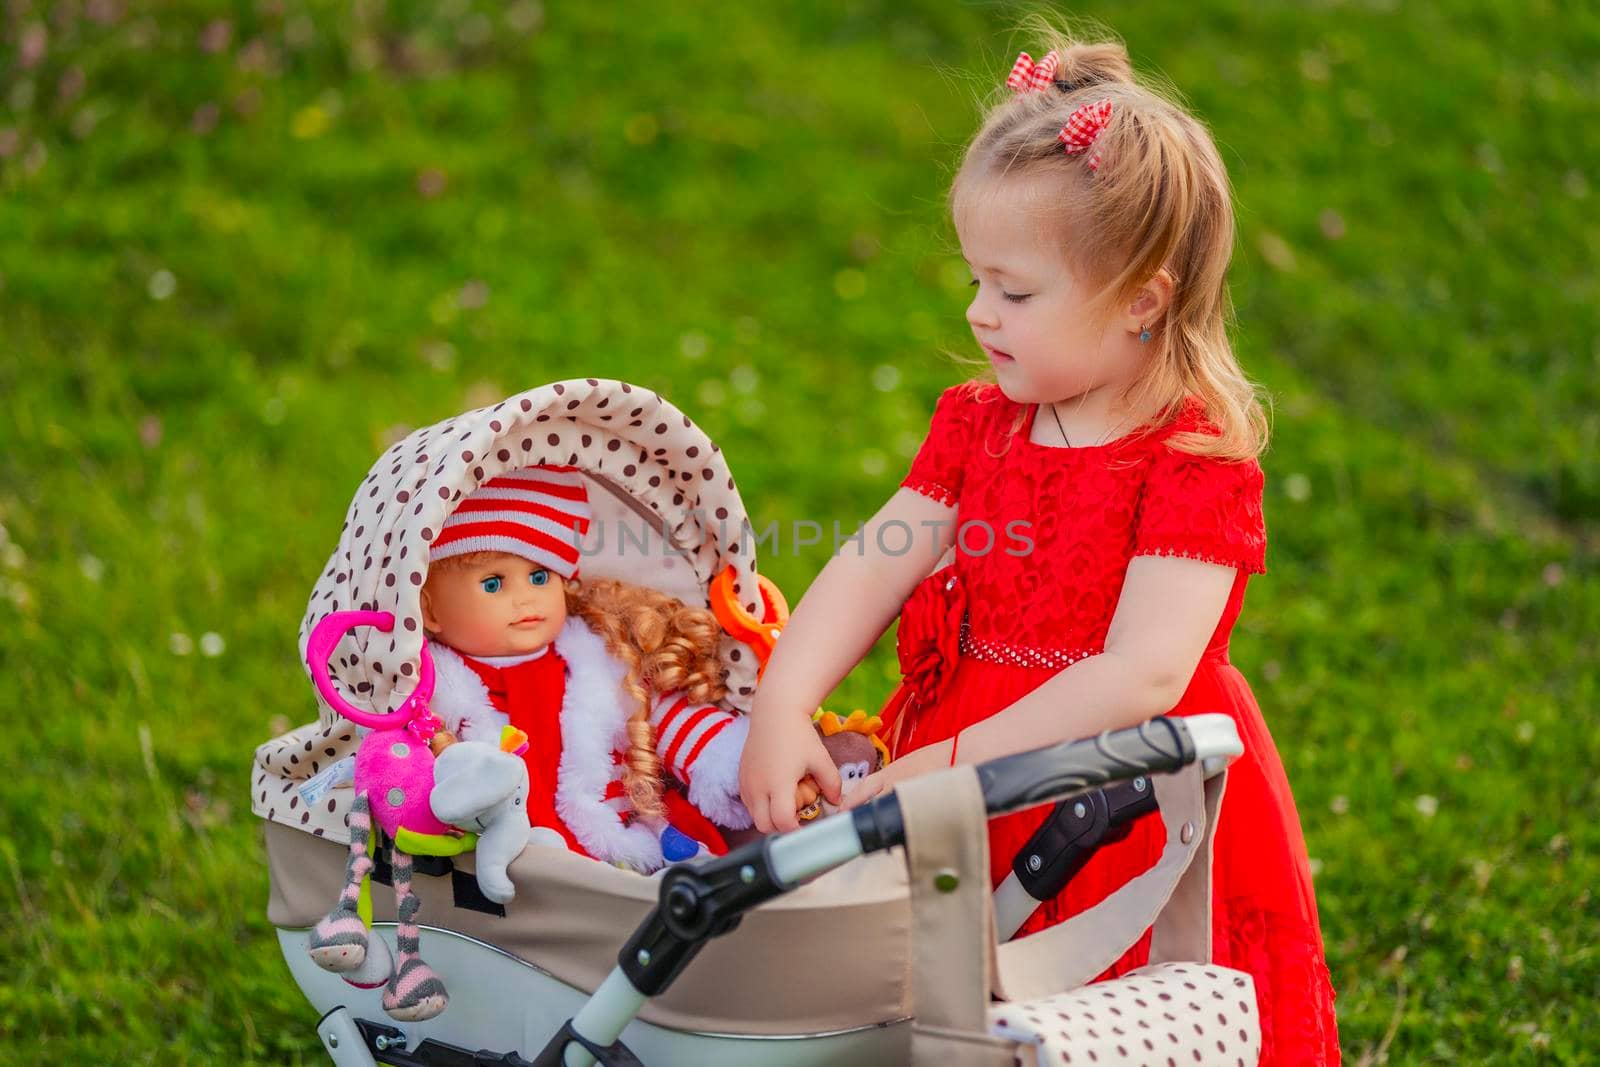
{"type": "Point", "coordinates": [981, 313]}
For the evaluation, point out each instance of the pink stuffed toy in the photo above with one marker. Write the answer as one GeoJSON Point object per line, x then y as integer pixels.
{"type": "Point", "coordinates": [394, 783]}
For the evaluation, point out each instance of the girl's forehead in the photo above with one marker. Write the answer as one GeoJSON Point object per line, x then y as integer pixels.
{"type": "Point", "coordinates": [1010, 226]}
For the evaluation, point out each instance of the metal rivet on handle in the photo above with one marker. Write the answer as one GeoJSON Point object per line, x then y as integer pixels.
{"type": "Point", "coordinates": [333, 1040]}
{"type": "Point", "coordinates": [1034, 863]}
{"type": "Point", "coordinates": [643, 957]}
{"type": "Point", "coordinates": [1139, 784]}
{"type": "Point", "coordinates": [1187, 833]}
{"type": "Point", "coordinates": [747, 874]}
{"type": "Point", "coordinates": [946, 881]}
{"type": "Point", "coordinates": [1078, 810]}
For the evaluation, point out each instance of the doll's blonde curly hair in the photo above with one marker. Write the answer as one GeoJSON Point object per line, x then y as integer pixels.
{"type": "Point", "coordinates": [667, 647]}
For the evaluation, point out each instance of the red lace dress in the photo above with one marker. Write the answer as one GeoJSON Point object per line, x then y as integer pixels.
{"type": "Point", "coordinates": [1031, 613]}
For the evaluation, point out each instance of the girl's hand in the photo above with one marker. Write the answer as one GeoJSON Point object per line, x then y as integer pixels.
{"type": "Point", "coordinates": [782, 749]}
{"type": "Point", "coordinates": [934, 757]}
{"type": "Point", "coordinates": [868, 788]}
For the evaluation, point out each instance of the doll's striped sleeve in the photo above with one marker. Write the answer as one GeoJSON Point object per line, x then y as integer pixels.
{"type": "Point", "coordinates": [700, 745]}
{"type": "Point", "coordinates": [684, 730]}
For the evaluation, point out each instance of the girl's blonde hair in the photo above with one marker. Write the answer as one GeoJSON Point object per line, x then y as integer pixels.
{"type": "Point", "coordinates": [1160, 198]}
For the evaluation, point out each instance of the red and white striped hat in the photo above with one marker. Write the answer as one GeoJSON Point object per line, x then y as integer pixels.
{"type": "Point", "coordinates": [538, 513]}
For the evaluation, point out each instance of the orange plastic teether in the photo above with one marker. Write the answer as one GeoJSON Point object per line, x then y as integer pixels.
{"type": "Point", "coordinates": [760, 634]}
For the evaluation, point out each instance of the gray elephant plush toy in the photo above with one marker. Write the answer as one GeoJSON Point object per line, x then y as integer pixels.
{"type": "Point", "coordinates": [484, 790]}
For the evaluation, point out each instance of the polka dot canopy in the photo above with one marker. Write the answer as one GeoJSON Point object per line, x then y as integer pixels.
{"type": "Point", "coordinates": [640, 456]}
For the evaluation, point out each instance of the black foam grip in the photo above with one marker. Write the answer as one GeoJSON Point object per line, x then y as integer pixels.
{"type": "Point", "coordinates": [1012, 783]}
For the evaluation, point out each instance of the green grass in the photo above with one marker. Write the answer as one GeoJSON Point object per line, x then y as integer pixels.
{"type": "Point", "coordinates": [212, 321]}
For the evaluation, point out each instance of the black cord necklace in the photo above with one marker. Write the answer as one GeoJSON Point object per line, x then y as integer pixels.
{"type": "Point", "coordinates": [1059, 426]}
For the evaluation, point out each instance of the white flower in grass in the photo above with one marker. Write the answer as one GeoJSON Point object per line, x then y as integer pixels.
{"type": "Point", "coordinates": [211, 644]}
{"type": "Point", "coordinates": [181, 644]}
{"type": "Point", "coordinates": [693, 345]}
{"type": "Point", "coordinates": [162, 285]}
{"type": "Point", "coordinates": [712, 393]}
{"type": "Point", "coordinates": [1427, 806]}
{"type": "Point", "coordinates": [886, 378]}
{"type": "Point", "coordinates": [92, 568]}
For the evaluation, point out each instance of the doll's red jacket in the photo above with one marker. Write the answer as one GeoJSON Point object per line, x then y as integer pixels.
{"type": "Point", "coordinates": [570, 701]}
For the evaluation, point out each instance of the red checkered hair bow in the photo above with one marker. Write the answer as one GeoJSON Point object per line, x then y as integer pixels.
{"type": "Point", "coordinates": [1084, 127]}
{"type": "Point", "coordinates": [1027, 76]}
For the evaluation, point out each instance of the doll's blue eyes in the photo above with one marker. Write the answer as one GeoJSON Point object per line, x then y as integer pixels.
{"type": "Point", "coordinates": [493, 584]}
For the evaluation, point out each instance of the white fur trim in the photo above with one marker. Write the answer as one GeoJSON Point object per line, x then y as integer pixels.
{"type": "Point", "coordinates": [594, 716]}
{"type": "Point", "coordinates": [461, 699]}
{"type": "Point", "coordinates": [714, 777]}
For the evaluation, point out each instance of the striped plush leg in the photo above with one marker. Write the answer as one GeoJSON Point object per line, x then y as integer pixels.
{"type": "Point", "coordinates": [414, 992]}
{"type": "Point", "coordinates": [339, 941]}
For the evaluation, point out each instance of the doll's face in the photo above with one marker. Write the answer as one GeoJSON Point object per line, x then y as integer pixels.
{"type": "Point", "coordinates": [495, 605]}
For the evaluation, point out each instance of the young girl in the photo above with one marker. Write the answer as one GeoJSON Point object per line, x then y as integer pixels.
{"type": "Point", "coordinates": [1103, 501]}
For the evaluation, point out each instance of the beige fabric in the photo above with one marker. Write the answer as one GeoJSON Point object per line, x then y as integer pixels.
{"type": "Point", "coordinates": [830, 955]}
{"type": "Point", "coordinates": [1183, 929]}
{"type": "Point", "coordinates": [1070, 953]}
{"type": "Point", "coordinates": [1190, 1011]}
{"type": "Point", "coordinates": [948, 862]}
{"type": "Point", "coordinates": [283, 765]}
{"type": "Point", "coordinates": [947, 846]}
{"type": "Point", "coordinates": [642, 458]}
{"type": "Point", "coordinates": [936, 1046]}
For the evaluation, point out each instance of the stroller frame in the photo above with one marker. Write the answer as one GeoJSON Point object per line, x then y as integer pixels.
{"type": "Point", "coordinates": [704, 900]}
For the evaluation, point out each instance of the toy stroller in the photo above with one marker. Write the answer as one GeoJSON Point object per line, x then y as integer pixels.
{"type": "Point", "coordinates": [865, 937]}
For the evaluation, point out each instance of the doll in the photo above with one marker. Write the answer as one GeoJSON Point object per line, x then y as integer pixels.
{"type": "Point", "coordinates": [615, 685]}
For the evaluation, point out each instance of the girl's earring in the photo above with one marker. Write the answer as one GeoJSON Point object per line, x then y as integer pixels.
{"type": "Point", "coordinates": [1144, 335]}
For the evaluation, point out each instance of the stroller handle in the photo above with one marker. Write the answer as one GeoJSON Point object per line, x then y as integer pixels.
{"type": "Point", "coordinates": [707, 899]}
{"type": "Point", "coordinates": [326, 636]}
{"type": "Point", "coordinates": [1010, 783]}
